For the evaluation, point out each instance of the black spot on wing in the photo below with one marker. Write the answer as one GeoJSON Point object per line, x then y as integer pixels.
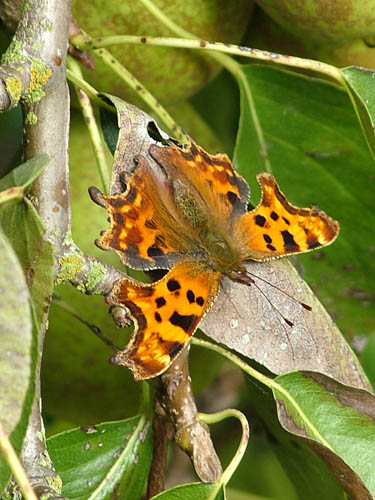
{"type": "Point", "coordinates": [190, 296]}
{"type": "Point", "coordinates": [267, 238]}
{"type": "Point", "coordinates": [173, 285]}
{"type": "Point", "coordinates": [260, 220]}
{"type": "Point", "coordinates": [271, 247]}
{"type": "Point", "coordinates": [274, 216]}
{"type": "Point", "coordinates": [286, 221]}
{"type": "Point", "coordinates": [184, 322]}
{"type": "Point", "coordinates": [154, 251]}
{"type": "Point", "coordinates": [313, 244]}
{"type": "Point", "coordinates": [160, 302]}
{"type": "Point", "coordinates": [289, 243]}
{"type": "Point", "coordinates": [200, 301]}
{"type": "Point", "coordinates": [157, 317]}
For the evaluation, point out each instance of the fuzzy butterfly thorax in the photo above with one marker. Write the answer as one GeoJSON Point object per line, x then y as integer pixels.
{"type": "Point", "coordinates": [185, 211]}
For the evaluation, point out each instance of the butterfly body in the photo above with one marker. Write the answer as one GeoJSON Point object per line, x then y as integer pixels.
{"type": "Point", "coordinates": [186, 212]}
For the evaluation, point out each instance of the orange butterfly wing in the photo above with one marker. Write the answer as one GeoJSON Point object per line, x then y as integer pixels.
{"type": "Point", "coordinates": [145, 229]}
{"type": "Point", "coordinates": [224, 192]}
{"type": "Point", "coordinates": [165, 313]}
{"type": "Point", "coordinates": [276, 227]}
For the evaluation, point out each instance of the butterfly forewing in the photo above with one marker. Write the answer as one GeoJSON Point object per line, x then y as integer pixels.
{"type": "Point", "coordinates": [276, 227]}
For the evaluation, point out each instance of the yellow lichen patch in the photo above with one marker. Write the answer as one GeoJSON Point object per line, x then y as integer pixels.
{"type": "Point", "coordinates": [39, 75]}
{"type": "Point", "coordinates": [14, 87]}
{"type": "Point", "coordinates": [70, 266]}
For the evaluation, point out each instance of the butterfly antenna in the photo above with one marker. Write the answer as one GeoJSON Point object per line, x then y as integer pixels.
{"type": "Point", "coordinates": [287, 321]}
{"type": "Point", "coordinates": [305, 306]}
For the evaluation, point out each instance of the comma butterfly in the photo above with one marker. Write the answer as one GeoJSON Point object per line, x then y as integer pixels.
{"type": "Point", "coordinates": [185, 211]}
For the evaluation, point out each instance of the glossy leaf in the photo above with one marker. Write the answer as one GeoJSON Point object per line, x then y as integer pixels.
{"type": "Point", "coordinates": [25, 174]}
{"type": "Point", "coordinates": [338, 417]}
{"type": "Point", "coordinates": [15, 345]}
{"type": "Point", "coordinates": [92, 461]}
{"type": "Point", "coordinates": [194, 491]}
{"type": "Point", "coordinates": [314, 479]}
{"type": "Point", "coordinates": [361, 86]}
{"type": "Point", "coordinates": [305, 131]}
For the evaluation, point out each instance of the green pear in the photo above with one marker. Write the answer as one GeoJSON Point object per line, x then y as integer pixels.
{"type": "Point", "coordinates": [264, 33]}
{"type": "Point", "coordinates": [324, 21]}
{"type": "Point", "coordinates": [171, 75]}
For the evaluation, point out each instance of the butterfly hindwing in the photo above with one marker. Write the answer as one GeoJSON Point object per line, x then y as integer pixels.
{"type": "Point", "coordinates": [276, 227]}
{"type": "Point", "coordinates": [165, 313]}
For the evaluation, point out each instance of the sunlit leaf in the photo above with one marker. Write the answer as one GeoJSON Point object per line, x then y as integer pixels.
{"type": "Point", "coordinates": [361, 85]}
{"type": "Point", "coordinates": [339, 417]}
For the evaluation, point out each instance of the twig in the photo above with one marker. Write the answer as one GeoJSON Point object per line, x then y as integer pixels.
{"type": "Point", "coordinates": [176, 398]}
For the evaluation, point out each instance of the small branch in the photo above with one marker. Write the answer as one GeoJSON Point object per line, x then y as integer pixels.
{"type": "Point", "coordinates": [88, 274]}
{"type": "Point", "coordinates": [162, 431]}
{"type": "Point", "coordinates": [176, 399]}
{"type": "Point", "coordinates": [25, 72]}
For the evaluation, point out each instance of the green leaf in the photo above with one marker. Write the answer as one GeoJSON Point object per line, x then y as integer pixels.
{"type": "Point", "coordinates": [24, 230]}
{"type": "Point", "coordinates": [25, 174]}
{"type": "Point", "coordinates": [368, 358]}
{"type": "Point", "coordinates": [314, 479]}
{"type": "Point", "coordinates": [15, 335]}
{"type": "Point", "coordinates": [15, 345]}
{"type": "Point", "coordinates": [361, 87]}
{"type": "Point", "coordinates": [305, 132]}
{"type": "Point", "coordinates": [92, 461]}
{"type": "Point", "coordinates": [11, 194]}
{"type": "Point", "coordinates": [194, 491]}
{"type": "Point", "coordinates": [339, 417]}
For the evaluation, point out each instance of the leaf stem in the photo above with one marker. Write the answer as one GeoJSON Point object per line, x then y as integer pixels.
{"type": "Point", "coordinates": [190, 42]}
{"type": "Point", "coordinates": [16, 466]}
{"type": "Point", "coordinates": [218, 417]}
{"type": "Point", "coordinates": [92, 127]}
{"type": "Point", "coordinates": [89, 89]}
